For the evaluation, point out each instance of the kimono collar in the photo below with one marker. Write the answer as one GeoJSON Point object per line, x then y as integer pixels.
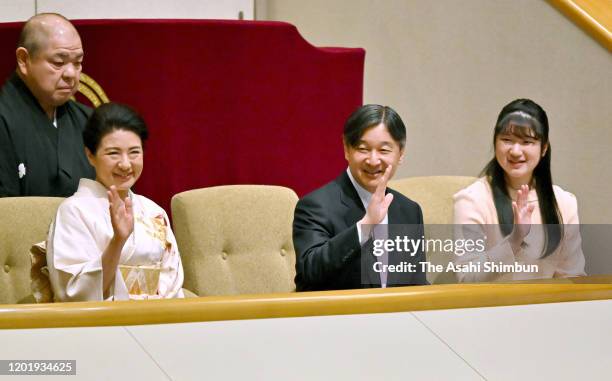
{"type": "Point", "coordinates": [23, 88]}
{"type": "Point", "coordinates": [93, 188]}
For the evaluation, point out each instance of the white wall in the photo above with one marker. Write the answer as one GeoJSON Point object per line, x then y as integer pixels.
{"type": "Point", "coordinates": [448, 67]}
{"type": "Point", "coordinates": [16, 10]}
{"type": "Point", "coordinates": [19, 10]}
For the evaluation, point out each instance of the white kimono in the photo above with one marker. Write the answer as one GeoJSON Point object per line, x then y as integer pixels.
{"type": "Point", "coordinates": [150, 264]}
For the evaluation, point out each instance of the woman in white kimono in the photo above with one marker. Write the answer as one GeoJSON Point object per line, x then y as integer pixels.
{"type": "Point", "coordinates": [107, 243]}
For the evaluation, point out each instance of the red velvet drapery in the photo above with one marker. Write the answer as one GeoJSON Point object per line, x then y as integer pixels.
{"type": "Point", "coordinates": [227, 102]}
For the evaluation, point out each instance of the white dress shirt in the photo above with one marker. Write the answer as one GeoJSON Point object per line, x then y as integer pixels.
{"type": "Point", "coordinates": [379, 233]}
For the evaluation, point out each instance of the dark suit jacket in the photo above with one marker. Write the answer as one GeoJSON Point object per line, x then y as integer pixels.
{"type": "Point", "coordinates": [329, 256]}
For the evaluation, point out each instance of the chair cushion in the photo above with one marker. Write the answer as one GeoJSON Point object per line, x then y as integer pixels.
{"type": "Point", "coordinates": [25, 220]}
{"type": "Point", "coordinates": [236, 239]}
{"type": "Point", "coordinates": [435, 196]}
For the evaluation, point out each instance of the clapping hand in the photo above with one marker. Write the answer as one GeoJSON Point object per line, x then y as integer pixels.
{"type": "Point", "coordinates": [379, 203]}
{"type": "Point", "coordinates": [122, 220]}
{"type": "Point", "coordinates": [522, 215]}
{"type": "Point", "coordinates": [122, 217]}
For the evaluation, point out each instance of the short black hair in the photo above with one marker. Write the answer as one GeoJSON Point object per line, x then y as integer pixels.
{"type": "Point", "coordinates": [110, 117]}
{"type": "Point", "coordinates": [372, 115]}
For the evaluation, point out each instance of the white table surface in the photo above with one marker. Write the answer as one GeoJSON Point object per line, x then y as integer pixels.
{"type": "Point", "coordinates": [99, 352]}
{"type": "Point", "coordinates": [558, 341]}
{"type": "Point", "coordinates": [561, 341]}
{"type": "Point", "coordinates": [351, 347]}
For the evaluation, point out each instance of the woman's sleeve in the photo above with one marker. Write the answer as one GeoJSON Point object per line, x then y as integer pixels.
{"type": "Point", "coordinates": [470, 222]}
{"type": "Point", "coordinates": [73, 257]}
{"type": "Point", "coordinates": [171, 275]}
{"type": "Point", "coordinates": [572, 261]}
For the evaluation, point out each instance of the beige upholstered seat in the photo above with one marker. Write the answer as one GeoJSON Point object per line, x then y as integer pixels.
{"type": "Point", "coordinates": [23, 222]}
{"type": "Point", "coordinates": [236, 239]}
{"type": "Point", "coordinates": [435, 196]}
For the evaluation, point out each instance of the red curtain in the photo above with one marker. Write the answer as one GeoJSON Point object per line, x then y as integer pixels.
{"type": "Point", "coordinates": [227, 102]}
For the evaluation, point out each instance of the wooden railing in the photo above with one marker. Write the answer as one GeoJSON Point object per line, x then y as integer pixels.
{"type": "Point", "coordinates": [593, 16]}
{"type": "Point", "coordinates": [214, 308]}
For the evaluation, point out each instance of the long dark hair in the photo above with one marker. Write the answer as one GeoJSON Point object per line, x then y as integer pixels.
{"type": "Point", "coordinates": [531, 120]}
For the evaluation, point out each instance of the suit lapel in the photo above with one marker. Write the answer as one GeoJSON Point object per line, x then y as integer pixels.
{"type": "Point", "coordinates": [396, 229]}
{"type": "Point", "coordinates": [350, 199]}
{"type": "Point", "coordinates": [355, 212]}
{"type": "Point", "coordinates": [394, 211]}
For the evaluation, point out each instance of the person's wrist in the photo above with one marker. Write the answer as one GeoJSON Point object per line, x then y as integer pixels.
{"type": "Point", "coordinates": [366, 221]}
{"type": "Point", "coordinates": [515, 241]}
{"type": "Point", "coordinates": [366, 227]}
{"type": "Point", "coordinates": [118, 240]}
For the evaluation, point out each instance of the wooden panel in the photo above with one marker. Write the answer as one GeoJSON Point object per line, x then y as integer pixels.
{"type": "Point", "coordinates": [593, 16]}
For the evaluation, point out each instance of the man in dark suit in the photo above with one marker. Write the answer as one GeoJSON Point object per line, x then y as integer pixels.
{"type": "Point", "coordinates": [336, 227]}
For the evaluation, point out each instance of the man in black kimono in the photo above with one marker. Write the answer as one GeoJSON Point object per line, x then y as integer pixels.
{"type": "Point", "coordinates": [41, 144]}
{"type": "Point", "coordinates": [336, 227]}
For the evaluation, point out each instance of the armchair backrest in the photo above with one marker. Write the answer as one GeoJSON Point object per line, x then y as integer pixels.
{"type": "Point", "coordinates": [24, 221]}
{"type": "Point", "coordinates": [435, 196]}
{"type": "Point", "coordinates": [236, 239]}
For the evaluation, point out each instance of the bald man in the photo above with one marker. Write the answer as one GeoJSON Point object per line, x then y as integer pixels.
{"type": "Point", "coordinates": [41, 144]}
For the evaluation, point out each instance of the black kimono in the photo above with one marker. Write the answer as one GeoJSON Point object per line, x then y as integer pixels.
{"type": "Point", "coordinates": [36, 158]}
